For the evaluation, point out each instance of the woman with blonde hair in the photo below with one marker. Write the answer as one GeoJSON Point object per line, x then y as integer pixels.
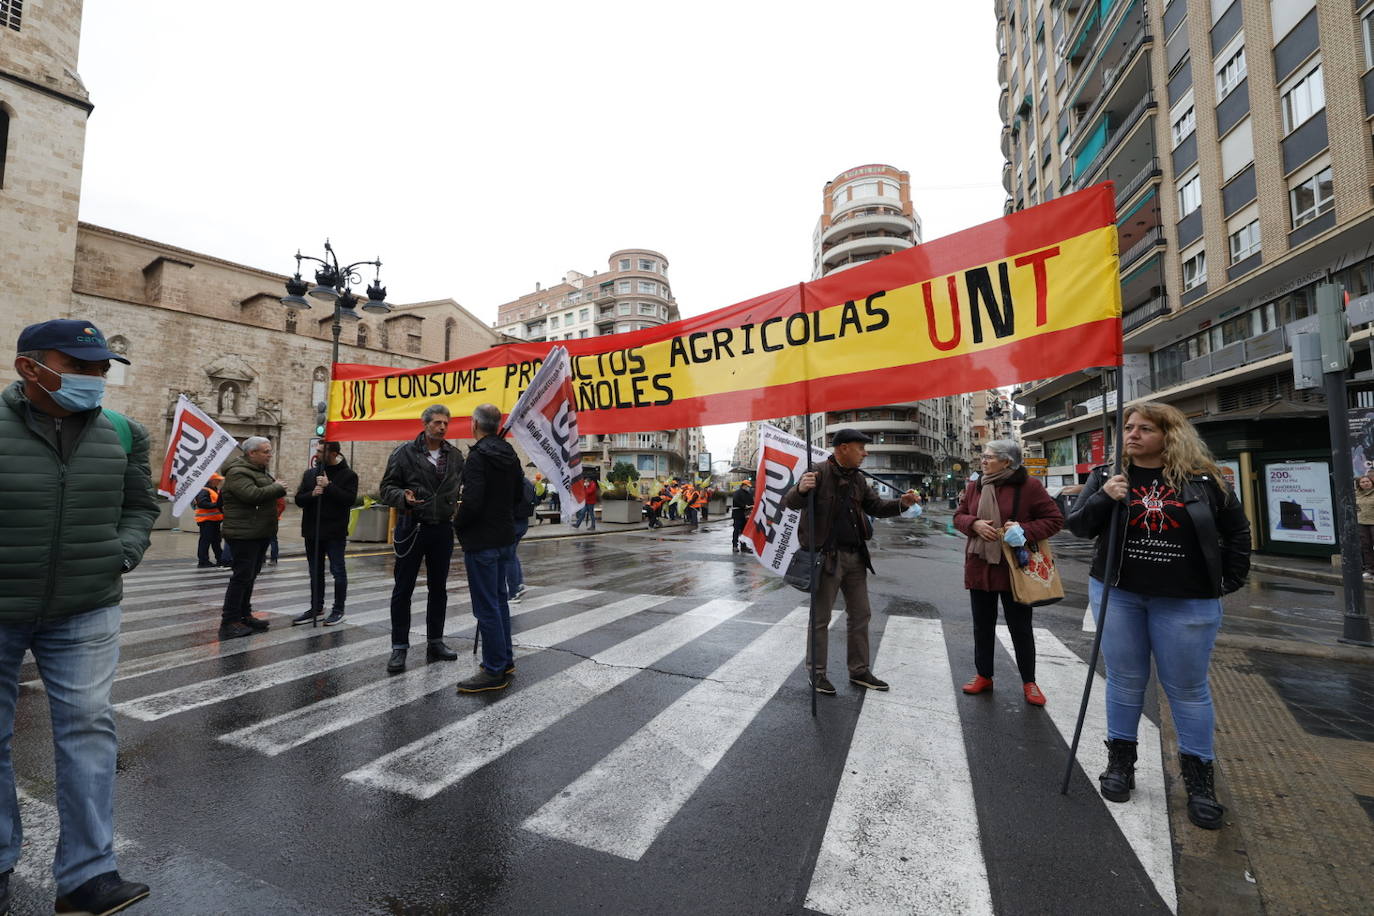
{"type": "Point", "coordinates": [1186, 542]}
{"type": "Point", "coordinates": [1364, 515]}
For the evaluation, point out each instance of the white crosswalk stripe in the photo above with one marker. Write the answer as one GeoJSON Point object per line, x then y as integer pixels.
{"type": "Point", "coordinates": [622, 804]}
{"type": "Point", "coordinates": [284, 732]}
{"type": "Point", "coordinates": [427, 766]}
{"type": "Point", "coordinates": [196, 598]}
{"type": "Point", "coordinates": [903, 831]}
{"type": "Point", "coordinates": [1144, 820]}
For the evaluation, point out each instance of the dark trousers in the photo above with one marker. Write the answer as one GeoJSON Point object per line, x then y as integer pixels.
{"type": "Point", "coordinates": [738, 528]}
{"type": "Point", "coordinates": [653, 517]}
{"type": "Point", "coordinates": [1018, 617]}
{"type": "Point", "coordinates": [316, 552]}
{"type": "Point", "coordinates": [487, 571]}
{"type": "Point", "coordinates": [1367, 546]}
{"type": "Point", "coordinates": [248, 559]}
{"type": "Point", "coordinates": [844, 572]}
{"type": "Point", "coordinates": [209, 541]}
{"type": "Point", "coordinates": [433, 546]}
{"type": "Point", "coordinates": [691, 517]}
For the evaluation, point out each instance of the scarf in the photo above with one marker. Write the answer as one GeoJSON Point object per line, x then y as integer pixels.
{"type": "Point", "coordinates": [990, 551]}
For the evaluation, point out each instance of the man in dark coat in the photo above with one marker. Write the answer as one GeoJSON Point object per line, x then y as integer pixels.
{"type": "Point", "coordinates": [78, 506]}
{"type": "Point", "coordinates": [741, 503]}
{"type": "Point", "coordinates": [326, 496]}
{"type": "Point", "coordinates": [486, 528]}
{"type": "Point", "coordinates": [422, 480]}
{"type": "Point", "coordinates": [249, 496]}
{"type": "Point", "coordinates": [843, 500]}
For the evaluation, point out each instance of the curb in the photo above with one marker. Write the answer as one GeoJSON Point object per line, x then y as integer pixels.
{"type": "Point", "coordinates": [1312, 575]}
{"type": "Point", "coordinates": [1339, 653]}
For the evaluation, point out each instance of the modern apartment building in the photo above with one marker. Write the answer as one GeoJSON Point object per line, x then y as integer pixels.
{"type": "Point", "coordinates": [866, 212]}
{"type": "Point", "coordinates": [631, 294]}
{"type": "Point", "coordinates": [1238, 136]}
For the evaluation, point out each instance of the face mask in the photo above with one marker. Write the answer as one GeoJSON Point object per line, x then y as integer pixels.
{"type": "Point", "coordinates": [78, 392]}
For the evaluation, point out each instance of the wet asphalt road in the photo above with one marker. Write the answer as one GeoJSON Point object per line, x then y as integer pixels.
{"type": "Point", "coordinates": [431, 804]}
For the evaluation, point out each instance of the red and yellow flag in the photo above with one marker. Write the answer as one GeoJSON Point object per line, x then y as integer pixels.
{"type": "Point", "coordinates": [1028, 296]}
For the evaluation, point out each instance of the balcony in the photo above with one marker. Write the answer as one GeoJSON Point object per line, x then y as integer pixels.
{"type": "Point", "coordinates": [860, 203]}
{"type": "Point", "coordinates": [1151, 240]}
{"type": "Point", "coordinates": [1142, 314]}
{"type": "Point", "coordinates": [1115, 137]}
{"type": "Point", "coordinates": [862, 225]}
{"type": "Point", "coordinates": [878, 244]}
{"type": "Point", "coordinates": [1125, 192]}
{"type": "Point", "coordinates": [1114, 61]}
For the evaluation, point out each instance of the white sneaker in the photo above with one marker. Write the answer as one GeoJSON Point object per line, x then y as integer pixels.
{"type": "Point", "coordinates": [1369, 576]}
{"type": "Point", "coordinates": [520, 592]}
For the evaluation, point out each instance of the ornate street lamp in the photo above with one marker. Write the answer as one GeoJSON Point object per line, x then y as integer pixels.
{"type": "Point", "coordinates": [334, 284]}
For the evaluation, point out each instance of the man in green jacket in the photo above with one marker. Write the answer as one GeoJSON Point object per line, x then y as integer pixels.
{"type": "Point", "coordinates": [249, 495]}
{"type": "Point", "coordinates": [78, 505]}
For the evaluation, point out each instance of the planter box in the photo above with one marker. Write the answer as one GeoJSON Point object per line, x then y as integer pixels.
{"type": "Point", "coordinates": [622, 511]}
{"type": "Point", "coordinates": [372, 524]}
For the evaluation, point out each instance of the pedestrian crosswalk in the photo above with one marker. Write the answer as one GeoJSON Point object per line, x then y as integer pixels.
{"type": "Point", "coordinates": [901, 835]}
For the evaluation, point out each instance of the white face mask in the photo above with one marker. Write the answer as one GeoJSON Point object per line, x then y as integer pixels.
{"type": "Point", "coordinates": [77, 392]}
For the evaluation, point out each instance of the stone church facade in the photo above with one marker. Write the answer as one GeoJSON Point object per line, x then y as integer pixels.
{"type": "Point", "coordinates": [189, 322]}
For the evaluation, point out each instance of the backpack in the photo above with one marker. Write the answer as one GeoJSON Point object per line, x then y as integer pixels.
{"type": "Point", "coordinates": [122, 429]}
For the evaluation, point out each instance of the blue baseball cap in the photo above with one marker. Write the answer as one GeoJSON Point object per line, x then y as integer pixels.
{"type": "Point", "coordinates": [78, 339]}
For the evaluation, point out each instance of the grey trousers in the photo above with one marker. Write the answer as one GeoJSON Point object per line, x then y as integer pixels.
{"type": "Point", "coordinates": [850, 578]}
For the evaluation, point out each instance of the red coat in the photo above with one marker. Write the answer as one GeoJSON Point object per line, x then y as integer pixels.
{"type": "Point", "coordinates": [1037, 513]}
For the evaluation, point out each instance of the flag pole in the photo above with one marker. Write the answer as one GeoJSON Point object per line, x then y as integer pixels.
{"type": "Point", "coordinates": [1113, 564]}
{"type": "Point", "coordinates": [810, 532]}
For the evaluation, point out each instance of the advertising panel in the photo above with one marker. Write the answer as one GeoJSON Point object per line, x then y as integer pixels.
{"type": "Point", "coordinates": [1231, 471]}
{"type": "Point", "coordinates": [1298, 495]}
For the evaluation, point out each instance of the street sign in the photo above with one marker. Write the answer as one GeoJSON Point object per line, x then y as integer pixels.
{"type": "Point", "coordinates": [1360, 310]}
{"type": "Point", "coordinates": [1040, 467]}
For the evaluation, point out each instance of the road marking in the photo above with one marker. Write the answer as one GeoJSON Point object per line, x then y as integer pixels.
{"type": "Point", "coordinates": [621, 805]}
{"type": "Point", "coordinates": [42, 826]}
{"type": "Point", "coordinates": [232, 686]}
{"type": "Point", "coordinates": [426, 767]}
{"type": "Point", "coordinates": [1144, 820]}
{"type": "Point", "coordinates": [1089, 624]}
{"type": "Point", "coordinates": [291, 729]}
{"type": "Point", "coordinates": [903, 831]}
{"type": "Point", "coordinates": [355, 590]}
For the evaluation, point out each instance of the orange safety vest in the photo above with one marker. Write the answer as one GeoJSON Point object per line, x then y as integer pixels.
{"type": "Point", "coordinates": [697, 498]}
{"type": "Point", "coordinates": [215, 513]}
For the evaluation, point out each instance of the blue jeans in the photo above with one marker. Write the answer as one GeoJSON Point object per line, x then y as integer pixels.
{"type": "Point", "coordinates": [1179, 633]}
{"type": "Point", "coordinates": [487, 586]}
{"type": "Point", "coordinates": [76, 658]}
{"type": "Point", "coordinates": [586, 514]}
{"type": "Point", "coordinates": [316, 552]}
{"type": "Point", "coordinates": [515, 573]}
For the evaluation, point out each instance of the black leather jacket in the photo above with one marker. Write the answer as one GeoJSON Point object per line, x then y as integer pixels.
{"type": "Point", "coordinates": [409, 468]}
{"type": "Point", "coordinates": [1222, 529]}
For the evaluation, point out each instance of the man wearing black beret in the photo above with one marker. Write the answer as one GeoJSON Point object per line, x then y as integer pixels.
{"type": "Point", "coordinates": [844, 501]}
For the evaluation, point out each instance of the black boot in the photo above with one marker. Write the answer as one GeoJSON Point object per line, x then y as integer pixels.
{"type": "Point", "coordinates": [1203, 808]}
{"type": "Point", "coordinates": [1119, 778]}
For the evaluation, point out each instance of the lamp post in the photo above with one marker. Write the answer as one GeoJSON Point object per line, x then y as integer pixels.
{"type": "Point", "coordinates": [333, 284]}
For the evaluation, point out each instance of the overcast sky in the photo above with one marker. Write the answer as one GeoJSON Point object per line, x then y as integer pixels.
{"type": "Point", "coordinates": [481, 148]}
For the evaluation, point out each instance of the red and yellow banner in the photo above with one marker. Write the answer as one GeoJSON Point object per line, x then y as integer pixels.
{"type": "Point", "coordinates": [1028, 296]}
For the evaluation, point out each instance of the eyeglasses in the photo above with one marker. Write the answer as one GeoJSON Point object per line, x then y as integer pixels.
{"type": "Point", "coordinates": [991, 457]}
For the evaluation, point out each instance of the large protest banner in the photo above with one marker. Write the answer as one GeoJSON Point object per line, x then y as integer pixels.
{"type": "Point", "coordinates": [195, 449]}
{"type": "Point", "coordinates": [1031, 295]}
{"type": "Point", "coordinates": [771, 528]}
{"type": "Point", "coordinates": [544, 422]}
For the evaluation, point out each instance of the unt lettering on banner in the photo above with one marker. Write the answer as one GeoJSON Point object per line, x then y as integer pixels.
{"type": "Point", "coordinates": [771, 527]}
{"type": "Point", "coordinates": [196, 448]}
{"type": "Point", "coordinates": [544, 422]}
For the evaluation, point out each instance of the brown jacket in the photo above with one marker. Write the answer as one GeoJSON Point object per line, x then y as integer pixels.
{"type": "Point", "coordinates": [830, 488]}
{"type": "Point", "coordinates": [1034, 510]}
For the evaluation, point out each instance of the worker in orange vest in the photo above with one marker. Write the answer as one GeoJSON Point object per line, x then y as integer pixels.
{"type": "Point", "coordinates": [209, 514]}
{"type": "Point", "coordinates": [695, 497]}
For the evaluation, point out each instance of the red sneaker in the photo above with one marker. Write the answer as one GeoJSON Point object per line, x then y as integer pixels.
{"type": "Point", "coordinates": [978, 684]}
{"type": "Point", "coordinates": [1033, 694]}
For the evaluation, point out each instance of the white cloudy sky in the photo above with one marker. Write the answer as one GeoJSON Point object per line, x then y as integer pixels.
{"type": "Point", "coordinates": [479, 148]}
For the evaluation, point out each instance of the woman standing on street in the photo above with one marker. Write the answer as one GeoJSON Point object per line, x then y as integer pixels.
{"type": "Point", "coordinates": [1003, 495]}
{"type": "Point", "coordinates": [1186, 542]}
{"type": "Point", "coordinates": [1364, 508]}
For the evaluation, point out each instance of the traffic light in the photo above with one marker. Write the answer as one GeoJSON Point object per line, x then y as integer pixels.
{"type": "Point", "coordinates": [1333, 329]}
{"type": "Point", "coordinates": [321, 416]}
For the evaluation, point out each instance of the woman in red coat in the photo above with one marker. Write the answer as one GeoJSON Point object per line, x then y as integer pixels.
{"type": "Point", "coordinates": [1003, 495]}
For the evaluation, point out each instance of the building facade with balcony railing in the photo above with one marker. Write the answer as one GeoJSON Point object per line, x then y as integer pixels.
{"type": "Point", "coordinates": [633, 293]}
{"type": "Point", "coordinates": [1243, 166]}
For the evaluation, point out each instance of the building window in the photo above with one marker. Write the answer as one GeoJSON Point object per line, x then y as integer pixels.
{"type": "Point", "coordinates": [575, 297]}
{"type": "Point", "coordinates": [1184, 125]}
{"type": "Point", "coordinates": [584, 314]}
{"type": "Point", "coordinates": [1190, 195]}
{"type": "Point", "coordinates": [362, 334]}
{"type": "Point", "coordinates": [646, 264]}
{"type": "Point", "coordinates": [11, 14]}
{"type": "Point", "coordinates": [622, 286]}
{"type": "Point", "coordinates": [1311, 198]}
{"type": "Point", "coordinates": [624, 263]}
{"type": "Point", "coordinates": [1195, 271]}
{"type": "Point", "coordinates": [646, 308]}
{"type": "Point", "coordinates": [290, 321]}
{"type": "Point", "coordinates": [648, 286]}
{"type": "Point", "coordinates": [449, 327]}
{"type": "Point", "coordinates": [1306, 98]}
{"type": "Point", "coordinates": [623, 308]}
{"type": "Point", "coordinates": [1245, 241]}
{"type": "Point", "coordinates": [622, 328]}
{"type": "Point", "coordinates": [1369, 39]}
{"type": "Point", "coordinates": [1230, 74]}
{"type": "Point", "coordinates": [582, 333]}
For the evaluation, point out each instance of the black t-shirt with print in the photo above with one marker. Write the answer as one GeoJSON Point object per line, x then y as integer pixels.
{"type": "Point", "coordinates": [1162, 556]}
